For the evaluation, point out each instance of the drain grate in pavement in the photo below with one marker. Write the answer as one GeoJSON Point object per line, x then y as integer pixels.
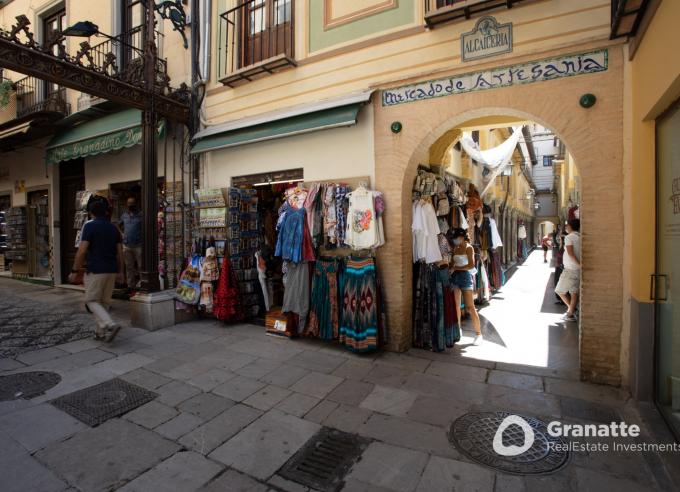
{"type": "Point", "coordinates": [323, 462]}
{"type": "Point", "coordinates": [97, 404]}
{"type": "Point", "coordinates": [27, 385]}
{"type": "Point", "coordinates": [473, 434]}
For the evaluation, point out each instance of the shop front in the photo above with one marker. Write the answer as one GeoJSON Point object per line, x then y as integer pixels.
{"type": "Point", "coordinates": [667, 306]}
{"type": "Point", "coordinates": [103, 156]}
{"type": "Point", "coordinates": [289, 222]}
{"type": "Point", "coordinates": [413, 114]}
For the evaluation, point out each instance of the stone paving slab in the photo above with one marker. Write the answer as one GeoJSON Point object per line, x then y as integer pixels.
{"type": "Point", "coordinates": [238, 388]}
{"type": "Point", "coordinates": [258, 368]}
{"type": "Point", "coordinates": [206, 405]}
{"type": "Point", "coordinates": [40, 425]}
{"type": "Point", "coordinates": [347, 418]}
{"type": "Point", "coordinates": [354, 369]}
{"type": "Point", "coordinates": [445, 474]}
{"type": "Point", "coordinates": [263, 447]}
{"type": "Point", "coordinates": [519, 381]}
{"type": "Point", "coordinates": [390, 401]}
{"type": "Point", "coordinates": [593, 481]}
{"type": "Point", "coordinates": [285, 376]}
{"type": "Point", "coordinates": [105, 457]}
{"type": "Point", "coordinates": [391, 467]}
{"type": "Point", "coordinates": [22, 473]}
{"type": "Point", "coordinates": [520, 401]}
{"type": "Point", "coordinates": [151, 414]}
{"type": "Point", "coordinates": [319, 413]}
{"type": "Point", "coordinates": [267, 397]}
{"type": "Point", "coordinates": [211, 379]}
{"type": "Point", "coordinates": [180, 425]}
{"type": "Point", "coordinates": [437, 411]}
{"type": "Point", "coordinates": [592, 392]}
{"type": "Point", "coordinates": [316, 384]}
{"type": "Point", "coordinates": [182, 472]}
{"type": "Point", "coordinates": [351, 392]}
{"type": "Point", "coordinates": [208, 436]}
{"type": "Point", "coordinates": [406, 433]}
{"type": "Point", "coordinates": [233, 481]}
{"type": "Point", "coordinates": [145, 379]}
{"type": "Point", "coordinates": [297, 404]}
{"type": "Point", "coordinates": [318, 362]}
{"type": "Point", "coordinates": [175, 392]}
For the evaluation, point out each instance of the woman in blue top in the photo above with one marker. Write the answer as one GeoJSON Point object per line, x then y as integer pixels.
{"type": "Point", "coordinates": [461, 278]}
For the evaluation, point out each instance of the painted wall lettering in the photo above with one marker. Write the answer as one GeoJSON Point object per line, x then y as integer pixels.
{"type": "Point", "coordinates": [523, 73]}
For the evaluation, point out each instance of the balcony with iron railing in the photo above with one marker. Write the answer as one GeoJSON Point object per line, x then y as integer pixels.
{"type": "Point", "coordinates": [35, 96]}
{"type": "Point", "coordinates": [441, 11]}
{"type": "Point", "coordinates": [255, 38]}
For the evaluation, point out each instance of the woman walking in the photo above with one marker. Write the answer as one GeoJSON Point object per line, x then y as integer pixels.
{"type": "Point", "coordinates": [461, 278]}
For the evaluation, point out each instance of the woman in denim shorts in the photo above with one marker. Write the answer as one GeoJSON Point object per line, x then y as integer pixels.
{"type": "Point", "coordinates": [461, 278]}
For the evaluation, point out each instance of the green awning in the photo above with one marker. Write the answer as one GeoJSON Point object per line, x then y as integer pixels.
{"type": "Point", "coordinates": [295, 125]}
{"type": "Point", "coordinates": [108, 133]}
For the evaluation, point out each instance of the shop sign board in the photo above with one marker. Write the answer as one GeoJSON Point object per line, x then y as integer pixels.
{"type": "Point", "coordinates": [495, 78]}
{"type": "Point", "coordinates": [98, 145]}
{"type": "Point", "coordinates": [488, 38]}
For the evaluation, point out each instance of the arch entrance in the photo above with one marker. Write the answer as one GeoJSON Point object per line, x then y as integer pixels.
{"type": "Point", "coordinates": [593, 137]}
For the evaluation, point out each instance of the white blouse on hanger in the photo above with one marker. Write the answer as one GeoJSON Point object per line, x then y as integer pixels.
{"type": "Point", "coordinates": [364, 228]}
{"type": "Point", "coordinates": [425, 230]}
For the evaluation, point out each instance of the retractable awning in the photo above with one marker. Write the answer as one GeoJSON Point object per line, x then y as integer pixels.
{"type": "Point", "coordinates": [304, 119]}
{"type": "Point", "coordinates": [108, 133]}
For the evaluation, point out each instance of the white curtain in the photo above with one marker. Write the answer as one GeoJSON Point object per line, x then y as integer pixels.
{"type": "Point", "coordinates": [496, 158]}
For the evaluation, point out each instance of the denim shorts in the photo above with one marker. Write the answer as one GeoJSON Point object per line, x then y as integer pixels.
{"type": "Point", "coordinates": [462, 279]}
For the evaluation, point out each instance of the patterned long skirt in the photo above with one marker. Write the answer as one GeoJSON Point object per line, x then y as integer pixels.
{"type": "Point", "coordinates": [359, 328]}
{"type": "Point", "coordinates": [323, 316]}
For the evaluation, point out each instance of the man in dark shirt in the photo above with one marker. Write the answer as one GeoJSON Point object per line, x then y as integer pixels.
{"type": "Point", "coordinates": [100, 246]}
{"type": "Point", "coordinates": [131, 225]}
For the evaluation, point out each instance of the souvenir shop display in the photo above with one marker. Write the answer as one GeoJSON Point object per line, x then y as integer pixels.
{"type": "Point", "coordinates": [17, 242]}
{"type": "Point", "coordinates": [328, 232]}
{"type": "Point", "coordinates": [301, 257]}
{"type": "Point", "coordinates": [440, 205]}
{"type": "Point", "coordinates": [4, 211]}
{"type": "Point", "coordinates": [173, 228]}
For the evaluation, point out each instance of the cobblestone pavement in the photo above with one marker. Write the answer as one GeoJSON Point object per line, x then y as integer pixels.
{"type": "Point", "coordinates": [234, 405]}
{"type": "Point", "coordinates": [33, 317]}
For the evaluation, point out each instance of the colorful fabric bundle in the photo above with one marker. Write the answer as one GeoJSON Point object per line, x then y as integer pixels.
{"type": "Point", "coordinates": [359, 329]}
{"type": "Point", "coordinates": [188, 289]}
{"type": "Point", "coordinates": [323, 317]}
{"type": "Point", "coordinates": [226, 304]}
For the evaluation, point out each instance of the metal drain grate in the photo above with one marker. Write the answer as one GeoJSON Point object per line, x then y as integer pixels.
{"type": "Point", "coordinates": [27, 385]}
{"type": "Point", "coordinates": [473, 435]}
{"type": "Point", "coordinates": [97, 404]}
{"type": "Point", "coordinates": [323, 462]}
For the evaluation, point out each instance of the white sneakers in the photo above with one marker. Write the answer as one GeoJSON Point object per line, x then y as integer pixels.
{"type": "Point", "coordinates": [478, 340]}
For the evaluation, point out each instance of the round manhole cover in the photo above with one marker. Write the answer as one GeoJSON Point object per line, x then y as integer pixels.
{"type": "Point", "coordinates": [473, 434]}
{"type": "Point", "coordinates": [26, 385]}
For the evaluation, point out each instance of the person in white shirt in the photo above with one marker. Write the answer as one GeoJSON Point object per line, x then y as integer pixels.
{"type": "Point", "coordinates": [568, 286]}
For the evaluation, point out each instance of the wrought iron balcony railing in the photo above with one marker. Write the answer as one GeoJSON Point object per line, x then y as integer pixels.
{"type": "Point", "coordinates": [35, 96]}
{"type": "Point", "coordinates": [128, 49]}
{"type": "Point", "coordinates": [256, 37]}
{"type": "Point", "coordinates": [440, 11]}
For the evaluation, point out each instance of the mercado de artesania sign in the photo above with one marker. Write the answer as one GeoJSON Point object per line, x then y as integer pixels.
{"type": "Point", "coordinates": [488, 38]}
{"type": "Point", "coordinates": [495, 78]}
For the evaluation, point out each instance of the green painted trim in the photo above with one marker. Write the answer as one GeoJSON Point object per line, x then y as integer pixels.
{"type": "Point", "coordinates": [112, 132]}
{"type": "Point", "coordinates": [319, 120]}
{"type": "Point", "coordinates": [320, 39]}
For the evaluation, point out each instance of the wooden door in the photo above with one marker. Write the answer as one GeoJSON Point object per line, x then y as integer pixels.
{"type": "Point", "coordinates": [71, 181]}
{"type": "Point", "coordinates": [266, 30]}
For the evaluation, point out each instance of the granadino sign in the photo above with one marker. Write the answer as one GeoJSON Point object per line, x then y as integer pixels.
{"type": "Point", "coordinates": [495, 78]}
{"type": "Point", "coordinates": [488, 38]}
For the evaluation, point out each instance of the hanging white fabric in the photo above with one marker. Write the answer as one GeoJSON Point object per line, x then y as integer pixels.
{"type": "Point", "coordinates": [492, 157]}
{"type": "Point", "coordinates": [496, 158]}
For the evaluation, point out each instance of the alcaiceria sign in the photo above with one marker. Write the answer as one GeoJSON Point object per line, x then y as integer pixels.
{"type": "Point", "coordinates": [495, 78]}
{"type": "Point", "coordinates": [488, 38]}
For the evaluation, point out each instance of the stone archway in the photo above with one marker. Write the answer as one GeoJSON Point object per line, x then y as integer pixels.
{"type": "Point", "coordinates": [594, 137]}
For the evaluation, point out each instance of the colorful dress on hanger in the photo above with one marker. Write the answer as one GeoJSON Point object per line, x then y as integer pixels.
{"type": "Point", "coordinates": [226, 305]}
{"type": "Point", "coordinates": [323, 316]}
{"type": "Point", "coordinates": [359, 328]}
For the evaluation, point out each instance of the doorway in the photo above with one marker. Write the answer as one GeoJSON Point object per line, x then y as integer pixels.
{"type": "Point", "coordinates": [484, 177]}
{"type": "Point", "coordinates": [667, 309]}
{"type": "Point", "coordinates": [71, 181]}
{"type": "Point", "coordinates": [38, 228]}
